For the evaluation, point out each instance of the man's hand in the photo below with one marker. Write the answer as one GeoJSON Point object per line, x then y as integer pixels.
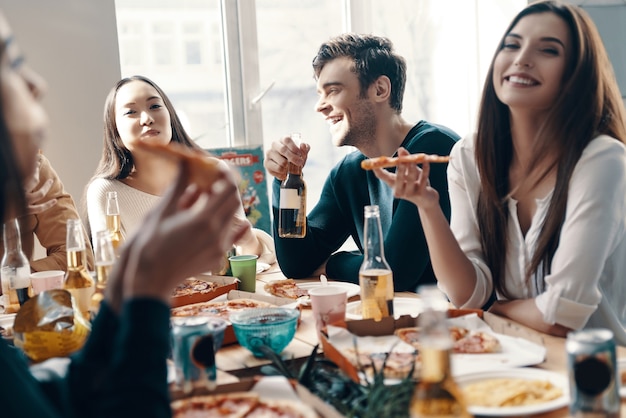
{"type": "Point", "coordinates": [281, 153]}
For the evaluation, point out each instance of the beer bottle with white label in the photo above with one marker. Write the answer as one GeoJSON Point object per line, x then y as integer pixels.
{"type": "Point", "coordinates": [436, 394]}
{"type": "Point", "coordinates": [375, 276]}
{"type": "Point", "coordinates": [15, 271]}
{"type": "Point", "coordinates": [292, 204]}
{"type": "Point", "coordinates": [78, 281]}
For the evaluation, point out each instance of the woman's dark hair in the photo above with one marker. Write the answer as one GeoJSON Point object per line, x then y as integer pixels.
{"type": "Point", "coordinates": [373, 56]}
{"type": "Point", "coordinates": [11, 189]}
{"type": "Point", "coordinates": [589, 104]}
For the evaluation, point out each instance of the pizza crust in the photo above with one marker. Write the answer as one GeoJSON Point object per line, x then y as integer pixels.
{"type": "Point", "coordinates": [385, 162]}
{"type": "Point", "coordinates": [205, 169]}
{"type": "Point", "coordinates": [220, 309]}
{"type": "Point", "coordinates": [287, 288]}
{"type": "Point", "coordinates": [232, 405]}
{"type": "Point", "coordinates": [192, 286]}
{"type": "Point", "coordinates": [465, 341]}
{"type": "Point", "coordinates": [240, 405]}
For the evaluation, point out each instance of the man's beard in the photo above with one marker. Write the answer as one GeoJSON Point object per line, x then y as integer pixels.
{"type": "Point", "coordinates": [363, 127]}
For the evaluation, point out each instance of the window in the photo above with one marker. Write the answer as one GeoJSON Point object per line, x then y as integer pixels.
{"type": "Point", "coordinates": [448, 45]}
{"type": "Point", "coordinates": [194, 41]}
{"type": "Point", "coordinates": [182, 51]}
{"type": "Point", "coordinates": [239, 71]}
{"type": "Point", "coordinates": [285, 57]}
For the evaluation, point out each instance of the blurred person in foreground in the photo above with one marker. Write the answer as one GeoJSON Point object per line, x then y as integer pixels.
{"type": "Point", "coordinates": [136, 110]}
{"type": "Point", "coordinates": [537, 193]}
{"type": "Point", "coordinates": [49, 206]}
{"type": "Point", "coordinates": [121, 371]}
{"type": "Point", "coordinates": [360, 84]}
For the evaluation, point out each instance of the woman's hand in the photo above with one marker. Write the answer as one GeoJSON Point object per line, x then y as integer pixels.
{"type": "Point", "coordinates": [187, 233]}
{"type": "Point", "coordinates": [410, 183]}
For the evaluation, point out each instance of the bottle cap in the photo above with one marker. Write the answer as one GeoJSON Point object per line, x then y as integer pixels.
{"type": "Point", "coordinates": [296, 138]}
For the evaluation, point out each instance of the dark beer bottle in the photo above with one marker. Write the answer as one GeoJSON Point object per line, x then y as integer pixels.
{"type": "Point", "coordinates": [292, 205]}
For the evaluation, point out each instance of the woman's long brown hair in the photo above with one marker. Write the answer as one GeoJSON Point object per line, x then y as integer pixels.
{"type": "Point", "coordinates": [117, 161]}
{"type": "Point", "coordinates": [589, 104]}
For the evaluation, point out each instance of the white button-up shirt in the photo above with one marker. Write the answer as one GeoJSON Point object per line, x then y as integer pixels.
{"type": "Point", "coordinates": [587, 283]}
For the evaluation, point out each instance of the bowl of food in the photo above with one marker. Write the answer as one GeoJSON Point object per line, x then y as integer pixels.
{"type": "Point", "coordinates": [270, 327]}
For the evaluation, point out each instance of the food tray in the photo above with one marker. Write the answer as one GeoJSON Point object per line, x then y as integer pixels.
{"type": "Point", "coordinates": [226, 284]}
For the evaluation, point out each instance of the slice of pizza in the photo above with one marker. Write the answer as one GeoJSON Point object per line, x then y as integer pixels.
{"type": "Point", "coordinates": [477, 342]}
{"type": "Point", "coordinates": [457, 332]}
{"type": "Point", "coordinates": [204, 168]}
{"type": "Point", "coordinates": [287, 288]}
{"type": "Point", "coordinates": [220, 309]}
{"type": "Point", "coordinates": [281, 408]}
{"type": "Point", "coordinates": [385, 162]}
{"type": "Point", "coordinates": [409, 335]}
{"type": "Point", "coordinates": [464, 341]}
{"type": "Point", "coordinates": [192, 285]}
{"type": "Point", "coordinates": [230, 405]}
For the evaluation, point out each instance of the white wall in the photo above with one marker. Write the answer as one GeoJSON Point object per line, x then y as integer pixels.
{"type": "Point", "coordinates": [73, 45]}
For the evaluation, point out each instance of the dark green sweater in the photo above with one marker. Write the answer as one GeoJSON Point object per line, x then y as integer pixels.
{"type": "Point", "coordinates": [120, 372]}
{"type": "Point", "coordinates": [339, 214]}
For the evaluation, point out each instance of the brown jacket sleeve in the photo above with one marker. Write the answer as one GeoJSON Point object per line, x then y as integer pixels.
{"type": "Point", "coordinates": [50, 225]}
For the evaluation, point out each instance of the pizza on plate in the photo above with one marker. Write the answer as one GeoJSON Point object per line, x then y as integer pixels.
{"type": "Point", "coordinates": [465, 341]}
{"type": "Point", "coordinates": [239, 405]}
{"type": "Point", "coordinates": [395, 365]}
{"type": "Point", "coordinates": [192, 285]}
{"type": "Point", "coordinates": [221, 309]}
{"type": "Point", "coordinates": [287, 288]}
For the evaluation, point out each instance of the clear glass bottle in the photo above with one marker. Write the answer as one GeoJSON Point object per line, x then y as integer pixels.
{"type": "Point", "coordinates": [292, 205]}
{"type": "Point", "coordinates": [226, 270]}
{"type": "Point", "coordinates": [15, 270]}
{"type": "Point", "coordinates": [104, 257]}
{"type": "Point", "coordinates": [113, 220]}
{"type": "Point", "coordinates": [78, 281]}
{"type": "Point", "coordinates": [375, 275]}
{"type": "Point", "coordinates": [436, 394]}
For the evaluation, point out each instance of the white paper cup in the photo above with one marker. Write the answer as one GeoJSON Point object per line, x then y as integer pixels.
{"type": "Point", "coordinates": [46, 280]}
{"type": "Point", "coordinates": [329, 306]}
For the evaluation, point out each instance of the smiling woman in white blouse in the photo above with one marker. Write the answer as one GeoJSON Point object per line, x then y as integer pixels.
{"type": "Point", "coordinates": [538, 192]}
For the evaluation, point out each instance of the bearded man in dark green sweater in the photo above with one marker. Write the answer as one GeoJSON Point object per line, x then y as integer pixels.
{"type": "Point", "coordinates": [360, 83]}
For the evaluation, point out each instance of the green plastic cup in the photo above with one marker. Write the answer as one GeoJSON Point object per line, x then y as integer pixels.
{"type": "Point", "coordinates": [244, 268]}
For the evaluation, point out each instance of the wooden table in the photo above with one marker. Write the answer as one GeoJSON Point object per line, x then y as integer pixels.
{"type": "Point", "coordinates": [235, 361]}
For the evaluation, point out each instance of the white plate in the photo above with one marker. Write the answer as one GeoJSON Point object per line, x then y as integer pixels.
{"type": "Point", "coordinates": [351, 288]}
{"type": "Point", "coordinates": [556, 379]}
{"type": "Point", "coordinates": [401, 306]}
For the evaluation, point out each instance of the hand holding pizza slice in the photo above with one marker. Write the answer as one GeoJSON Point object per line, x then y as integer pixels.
{"type": "Point", "coordinates": [205, 169]}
